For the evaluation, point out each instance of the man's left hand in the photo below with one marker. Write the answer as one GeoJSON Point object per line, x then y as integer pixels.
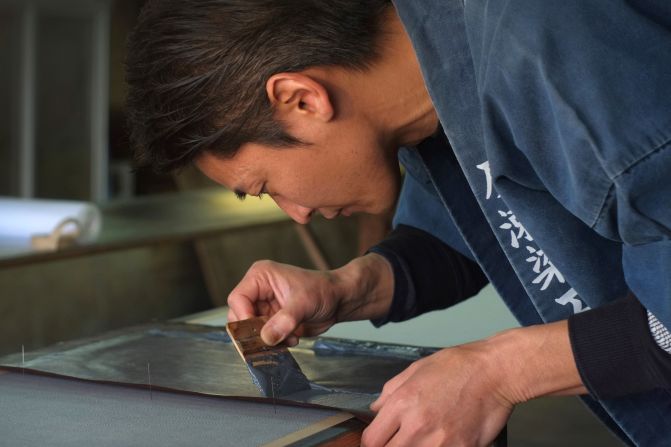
{"type": "Point", "coordinates": [464, 395]}
{"type": "Point", "coordinates": [448, 398]}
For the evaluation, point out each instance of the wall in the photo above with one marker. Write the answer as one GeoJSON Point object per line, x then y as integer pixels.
{"type": "Point", "coordinates": [474, 319]}
{"type": "Point", "coordinates": [45, 303]}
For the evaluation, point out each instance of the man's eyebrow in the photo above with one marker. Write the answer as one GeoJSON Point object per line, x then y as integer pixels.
{"type": "Point", "coordinates": [240, 194]}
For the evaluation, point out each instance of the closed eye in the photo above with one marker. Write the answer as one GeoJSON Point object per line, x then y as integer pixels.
{"type": "Point", "coordinates": [240, 195]}
{"type": "Point", "coordinates": [263, 192]}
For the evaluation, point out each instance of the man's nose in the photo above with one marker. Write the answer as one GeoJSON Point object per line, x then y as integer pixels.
{"type": "Point", "coordinates": [298, 213]}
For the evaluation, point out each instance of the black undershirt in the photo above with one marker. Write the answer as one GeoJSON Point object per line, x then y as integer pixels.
{"type": "Point", "coordinates": [614, 350]}
{"type": "Point", "coordinates": [428, 274]}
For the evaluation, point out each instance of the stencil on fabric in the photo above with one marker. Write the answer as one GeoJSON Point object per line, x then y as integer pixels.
{"type": "Point", "coordinates": [200, 359]}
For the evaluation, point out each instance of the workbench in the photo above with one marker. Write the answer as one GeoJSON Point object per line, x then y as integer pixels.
{"type": "Point", "coordinates": [180, 383]}
{"type": "Point", "coordinates": [114, 414]}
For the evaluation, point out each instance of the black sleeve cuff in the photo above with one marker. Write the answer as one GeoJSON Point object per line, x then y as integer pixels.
{"type": "Point", "coordinates": [615, 352]}
{"type": "Point", "coordinates": [404, 300]}
{"type": "Point", "coordinates": [428, 274]}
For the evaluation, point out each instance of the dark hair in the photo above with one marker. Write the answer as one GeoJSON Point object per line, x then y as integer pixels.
{"type": "Point", "coordinates": [197, 69]}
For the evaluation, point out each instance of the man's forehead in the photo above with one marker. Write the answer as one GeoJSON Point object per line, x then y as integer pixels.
{"type": "Point", "coordinates": [232, 172]}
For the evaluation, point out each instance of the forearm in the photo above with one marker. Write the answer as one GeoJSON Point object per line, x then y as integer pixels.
{"type": "Point", "coordinates": [608, 352]}
{"type": "Point", "coordinates": [534, 361]}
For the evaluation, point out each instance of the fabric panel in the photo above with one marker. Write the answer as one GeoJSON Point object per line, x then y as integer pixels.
{"type": "Point", "coordinates": [202, 360]}
{"type": "Point", "coordinates": [37, 410]}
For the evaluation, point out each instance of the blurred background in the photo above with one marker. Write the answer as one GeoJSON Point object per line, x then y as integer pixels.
{"type": "Point", "coordinates": [167, 246]}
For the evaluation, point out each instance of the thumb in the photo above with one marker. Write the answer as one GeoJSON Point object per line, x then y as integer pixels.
{"type": "Point", "coordinates": [280, 326]}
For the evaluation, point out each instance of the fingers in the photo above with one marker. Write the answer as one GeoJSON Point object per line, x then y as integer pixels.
{"type": "Point", "coordinates": [382, 429]}
{"type": "Point", "coordinates": [391, 386]}
{"type": "Point", "coordinates": [297, 301]}
{"type": "Point", "coordinates": [256, 295]}
{"type": "Point", "coordinates": [387, 423]}
{"type": "Point", "coordinates": [415, 438]}
{"type": "Point", "coordinates": [281, 325]}
{"type": "Point", "coordinates": [252, 292]}
{"type": "Point", "coordinates": [401, 439]}
{"type": "Point", "coordinates": [291, 340]}
{"type": "Point", "coordinates": [240, 304]}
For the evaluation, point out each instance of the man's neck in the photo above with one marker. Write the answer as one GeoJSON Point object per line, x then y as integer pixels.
{"type": "Point", "coordinates": [398, 95]}
{"type": "Point", "coordinates": [390, 95]}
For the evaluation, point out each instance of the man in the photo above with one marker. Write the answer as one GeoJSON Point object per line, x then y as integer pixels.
{"type": "Point", "coordinates": [536, 138]}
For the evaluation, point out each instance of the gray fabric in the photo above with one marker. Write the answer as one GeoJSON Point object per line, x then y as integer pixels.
{"type": "Point", "coordinates": [203, 360]}
{"type": "Point", "coordinates": [55, 412]}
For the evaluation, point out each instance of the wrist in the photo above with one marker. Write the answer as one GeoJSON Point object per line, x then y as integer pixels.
{"type": "Point", "coordinates": [534, 361]}
{"type": "Point", "coordinates": [365, 288]}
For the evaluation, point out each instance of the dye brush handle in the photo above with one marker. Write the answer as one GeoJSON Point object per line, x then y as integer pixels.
{"type": "Point", "coordinates": [273, 369]}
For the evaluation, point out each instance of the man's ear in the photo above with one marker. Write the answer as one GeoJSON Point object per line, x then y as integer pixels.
{"type": "Point", "coordinates": [295, 95]}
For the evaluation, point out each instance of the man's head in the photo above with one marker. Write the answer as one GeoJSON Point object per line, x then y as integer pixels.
{"type": "Point", "coordinates": [270, 94]}
{"type": "Point", "coordinates": [197, 69]}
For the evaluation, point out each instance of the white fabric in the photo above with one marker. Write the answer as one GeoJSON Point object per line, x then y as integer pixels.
{"type": "Point", "coordinates": [20, 219]}
{"type": "Point", "coordinates": [660, 333]}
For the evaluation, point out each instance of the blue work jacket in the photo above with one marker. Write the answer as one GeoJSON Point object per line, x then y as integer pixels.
{"type": "Point", "coordinates": [559, 117]}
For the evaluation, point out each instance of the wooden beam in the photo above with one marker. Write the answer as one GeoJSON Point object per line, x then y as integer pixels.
{"type": "Point", "coordinates": [302, 436]}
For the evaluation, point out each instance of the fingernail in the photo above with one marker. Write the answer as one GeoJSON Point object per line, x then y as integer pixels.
{"type": "Point", "coordinates": [270, 335]}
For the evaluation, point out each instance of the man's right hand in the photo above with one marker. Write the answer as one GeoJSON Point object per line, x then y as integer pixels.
{"type": "Point", "coordinates": [303, 302]}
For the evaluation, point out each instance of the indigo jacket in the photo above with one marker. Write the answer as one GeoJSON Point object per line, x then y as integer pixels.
{"type": "Point", "coordinates": [558, 184]}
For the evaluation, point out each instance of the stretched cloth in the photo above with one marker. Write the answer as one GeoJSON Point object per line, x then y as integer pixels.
{"type": "Point", "coordinates": [60, 412]}
{"type": "Point", "coordinates": [202, 360]}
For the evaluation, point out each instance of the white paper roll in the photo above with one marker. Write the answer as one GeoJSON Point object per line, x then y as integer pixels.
{"type": "Point", "coordinates": [20, 219]}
